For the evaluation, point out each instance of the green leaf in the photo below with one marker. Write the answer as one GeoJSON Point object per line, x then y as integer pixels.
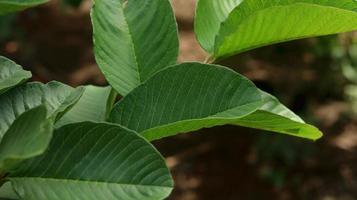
{"type": "Point", "coordinates": [27, 137]}
{"type": "Point", "coordinates": [133, 40]}
{"type": "Point", "coordinates": [274, 116]}
{"type": "Point", "coordinates": [184, 98]}
{"type": "Point", "coordinates": [57, 98]}
{"type": "Point", "coordinates": [94, 105]}
{"type": "Point", "coordinates": [209, 16]}
{"type": "Point", "coordinates": [91, 161]}
{"type": "Point", "coordinates": [11, 74]}
{"type": "Point", "coordinates": [8, 6]}
{"type": "Point", "coordinates": [256, 23]}
{"type": "Point", "coordinates": [7, 192]}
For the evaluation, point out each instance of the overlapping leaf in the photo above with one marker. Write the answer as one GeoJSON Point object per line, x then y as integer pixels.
{"type": "Point", "coordinates": [11, 74]}
{"type": "Point", "coordinates": [7, 192]}
{"type": "Point", "coordinates": [133, 40]}
{"type": "Point", "coordinates": [191, 96]}
{"type": "Point", "coordinates": [184, 98]}
{"type": "Point", "coordinates": [27, 137]}
{"type": "Point", "coordinates": [8, 6]}
{"type": "Point", "coordinates": [209, 16]}
{"type": "Point", "coordinates": [274, 116]}
{"type": "Point", "coordinates": [90, 161]}
{"type": "Point", "coordinates": [255, 23]}
{"type": "Point", "coordinates": [57, 98]}
{"type": "Point", "coordinates": [94, 105]}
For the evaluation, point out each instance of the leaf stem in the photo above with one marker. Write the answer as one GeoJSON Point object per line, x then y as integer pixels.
{"type": "Point", "coordinates": [209, 59]}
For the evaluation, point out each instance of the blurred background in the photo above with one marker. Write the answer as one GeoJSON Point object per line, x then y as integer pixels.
{"type": "Point", "coordinates": [317, 78]}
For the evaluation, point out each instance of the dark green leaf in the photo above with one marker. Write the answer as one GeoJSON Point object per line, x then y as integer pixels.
{"type": "Point", "coordinates": [8, 6]}
{"type": "Point", "coordinates": [92, 161]}
{"type": "Point", "coordinates": [184, 98]}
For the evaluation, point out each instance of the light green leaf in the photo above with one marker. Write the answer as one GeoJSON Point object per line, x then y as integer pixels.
{"type": "Point", "coordinates": [133, 40]}
{"type": "Point", "coordinates": [57, 98]}
{"type": "Point", "coordinates": [256, 23]}
{"type": "Point", "coordinates": [184, 98]}
{"type": "Point", "coordinates": [7, 192]}
{"type": "Point", "coordinates": [274, 116]}
{"type": "Point", "coordinates": [94, 105]}
{"type": "Point", "coordinates": [8, 6]}
{"type": "Point", "coordinates": [209, 16]}
{"type": "Point", "coordinates": [91, 161]}
{"type": "Point", "coordinates": [27, 137]}
{"type": "Point", "coordinates": [11, 74]}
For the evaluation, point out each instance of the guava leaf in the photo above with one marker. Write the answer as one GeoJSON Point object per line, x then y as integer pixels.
{"type": "Point", "coordinates": [209, 16]}
{"type": "Point", "coordinates": [27, 137]}
{"type": "Point", "coordinates": [94, 105]}
{"type": "Point", "coordinates": [275, 117]}
{"type": "Point", "coordinates": [185, 98]}
{"type": "Point", "coordinates": [9, 6]}
{"type": "Point", "coordinates": [57, 98]}
{"type": "Point", "coordinates": [192, 96]}
{"type": "Point", "coordinates": [91, 161]}
{"type": "Point", "coordinates": [133, 40]}
{"type": "Point", "coordinates": [7, 192]}
{"type": "Point", "coordinates": [11, 74]}
{"type": "Point", "coordinates": [256, 23]}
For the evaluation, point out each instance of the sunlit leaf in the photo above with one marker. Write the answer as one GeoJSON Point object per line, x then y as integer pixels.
{"type": "Point", "coordinates": [256, 23]}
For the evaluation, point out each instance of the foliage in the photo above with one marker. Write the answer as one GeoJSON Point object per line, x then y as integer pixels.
{"type": "Point", "coordinates": [8, 6]}
{"type": "Point", "coordinates": [59, 142]}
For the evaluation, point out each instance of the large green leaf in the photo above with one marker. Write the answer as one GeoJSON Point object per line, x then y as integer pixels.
{"type": "Point", "coordinates": [133, 40]}
{"type": "Point", "coordinates": [209, 16]}
{"type": "Point", "coordinates": [94, 105]}
{"type": "Point", "coordinates": [184, 98]}
{"type": "Point", "coordinates": [57, 97]}
{"type": "Point", "coordinates": [91, 161]}
{"type": "Point", "coordinates": [27, 137]}
{"type": "Point", "coordinates": [11, 74]}
{"type": "Point", "coordinates": [8, 6]}
{"type": "Point", "coordinates": [256, 23]}
{"type": "Point", "coordinates": [274, 116]}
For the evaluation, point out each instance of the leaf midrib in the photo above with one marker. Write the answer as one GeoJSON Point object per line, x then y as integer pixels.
{"type": "Point", "coordinates": [86, 181]}
{"type": "Point", "coordinates": [124, 7]}
{"type": "Point", "coordinates": [209, 117]}
{"type": "Point", "coordinates": [216, 49]}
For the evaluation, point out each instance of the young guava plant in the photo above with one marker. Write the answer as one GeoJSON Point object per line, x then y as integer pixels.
{"type": "Point", "coordinates": [64, 143]}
